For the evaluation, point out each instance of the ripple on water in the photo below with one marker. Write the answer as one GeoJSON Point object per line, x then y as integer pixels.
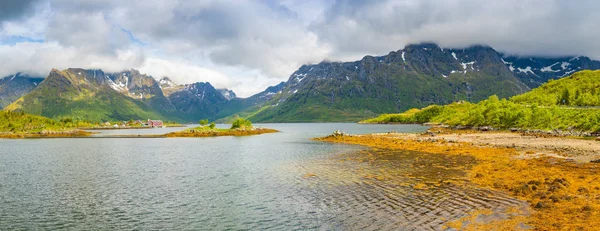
{"type": "Point", "coordinates": [388, 190]}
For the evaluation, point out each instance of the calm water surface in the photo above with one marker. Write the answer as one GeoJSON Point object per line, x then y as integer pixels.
{"type": "Point", "coordinates": [223, 183]}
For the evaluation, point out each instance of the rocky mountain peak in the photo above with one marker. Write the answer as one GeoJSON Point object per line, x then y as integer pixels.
{"type": "Point", "coordinates": [228, 94]}
{"type": "Point", "coordinates": [166, 82]}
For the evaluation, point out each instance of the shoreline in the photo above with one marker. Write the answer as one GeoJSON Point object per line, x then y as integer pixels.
{"type": "Point", "coordinates": [560, 186]}
{"type": "Point", "coordinates": [240, 132]}
{"type": "Point", "coordinates": [33, 135]}
{"type": "Point", "coordinates": [89, 135]}
{"type": "Point", "coordinates": [126, 128]}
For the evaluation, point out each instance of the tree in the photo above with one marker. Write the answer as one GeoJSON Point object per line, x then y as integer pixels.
{"type": "Point", "coordinates": [241, 123]}
{"type": "Point", "coordinates": [212, 125]}
{"type": "Point", "coordinates": [564, 98]}
{"type": "Point", "coordinates": [203, 122]}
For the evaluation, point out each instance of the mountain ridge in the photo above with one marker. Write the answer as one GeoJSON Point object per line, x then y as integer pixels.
{"type": "Point", "coordinates": [415, 76]}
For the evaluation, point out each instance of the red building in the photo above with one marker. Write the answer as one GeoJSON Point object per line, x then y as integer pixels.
{"type": "Point", "coordinates": [155, 123]}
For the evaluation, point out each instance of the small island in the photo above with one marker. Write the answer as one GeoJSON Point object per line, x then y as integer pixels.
{"type": "Point", "coordinates": [240, 127]}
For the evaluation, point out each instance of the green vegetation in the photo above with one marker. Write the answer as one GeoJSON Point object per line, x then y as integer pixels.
{"type": "Point", "coordinates": [411, 116]}
{"type": "Point", "coordinates": [579, 89]}
{"type": "Point", "coordinates": [203, 122]}
{"type": "Point", "coordinates": [354, 91]}
{"type": "Point", "coordinates": [19, 122]}
{"type": "Point", "coordinates": [522, 111]}
{"type": "Point", "coordinates": [66, 94]}
{"type": "Point", "coordinates": [241, 123]}
{"type": "Point", "coordinates": [240, 127]}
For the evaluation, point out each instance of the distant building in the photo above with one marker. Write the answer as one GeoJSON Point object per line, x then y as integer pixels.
{"type": "Point", "coordinates": [155, 123]}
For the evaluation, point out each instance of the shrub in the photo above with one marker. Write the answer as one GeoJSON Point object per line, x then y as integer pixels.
{"type": "Point", "coordinates": [212, 125]}
{"type": "Point", "coordinates": [203, 122]}
{"type": "Point", "coordinates": [241, 123]}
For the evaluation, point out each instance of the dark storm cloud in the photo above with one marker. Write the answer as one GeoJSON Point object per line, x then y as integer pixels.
{"type": "Point", "coordinates": [14, 9]}
{"type": "Point", "coordinates": [533, 27]}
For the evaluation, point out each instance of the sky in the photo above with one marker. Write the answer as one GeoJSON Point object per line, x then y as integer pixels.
{"type": "Point", "coordinates": [249, 45]}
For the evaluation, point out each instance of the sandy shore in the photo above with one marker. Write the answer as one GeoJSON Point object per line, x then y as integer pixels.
{"type": "Point", "coordinates": [528, 146]}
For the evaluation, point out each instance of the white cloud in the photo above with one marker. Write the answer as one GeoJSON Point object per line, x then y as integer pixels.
{"type": "Point", "coordinates": [39, 58]}
{"type": "Point", "coordinates": [248, 45]}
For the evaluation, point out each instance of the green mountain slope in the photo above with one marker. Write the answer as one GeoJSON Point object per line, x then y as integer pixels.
{"type": "Point", "coordinates": [416, 76]}
{"type": "Point", "coordinates": [579, 89]}
{"type": "Point", "coordinates": [83, 95]}
{"type": "Point", "coordinates": [522, 111]}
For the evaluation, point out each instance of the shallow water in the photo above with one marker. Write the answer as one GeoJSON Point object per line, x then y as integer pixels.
{"type": "Point", "coordinates": [254, 182]}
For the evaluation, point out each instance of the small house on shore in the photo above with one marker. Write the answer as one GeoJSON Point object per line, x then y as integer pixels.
{"type": "Point", "coordinates": [155, 123]}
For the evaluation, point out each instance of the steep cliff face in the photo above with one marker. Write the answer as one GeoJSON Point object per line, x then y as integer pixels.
{"type": "Point", "coordinates": [14, 86]}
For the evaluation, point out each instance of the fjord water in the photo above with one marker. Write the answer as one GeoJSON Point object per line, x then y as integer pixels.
{"type": "Point", "coordinates": [254, 182]}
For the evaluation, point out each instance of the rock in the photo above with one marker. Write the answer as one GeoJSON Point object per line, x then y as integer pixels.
{"type": "Point", "coordinates": [540, 205]}
{"type": "Point", "coordinates": [338, 133]}
{"type": "Point", "coordinates": [595, 161]}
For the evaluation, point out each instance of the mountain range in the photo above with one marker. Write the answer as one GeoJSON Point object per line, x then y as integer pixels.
{"type": "Point", "coordinates": [416, 76]}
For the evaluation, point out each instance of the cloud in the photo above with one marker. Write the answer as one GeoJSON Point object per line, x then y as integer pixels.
{"type": "Point", "coordinates": [248, 45]}
{"type": "Point", "coordinates": [37, 59]}
{"type": "Point", "coordinates": [535, 27]}
{"type": "Point", "coordinates": [14, 9]}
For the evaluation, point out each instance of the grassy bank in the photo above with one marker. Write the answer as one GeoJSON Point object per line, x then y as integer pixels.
{"type": "Point", "coordinates": [46, 134]}
{"type": "Point", "coordinates": [563, 195]}
{"type": "Point", "coordinates": [565, 104]}
{"type": "Point", "coordinates": [21, 125]}
{"type": "Point", "coordinates": [501, 114]}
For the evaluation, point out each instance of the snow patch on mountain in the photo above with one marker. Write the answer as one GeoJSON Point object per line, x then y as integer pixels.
{"type": "Point", "coordinates": [299, 77]}
{"type": "Point", "coordinates": [464, 65]}
{"type": "Point", "coordinates": [526, 70]}
{"type": "Point", "coordinates": [549, 68]}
